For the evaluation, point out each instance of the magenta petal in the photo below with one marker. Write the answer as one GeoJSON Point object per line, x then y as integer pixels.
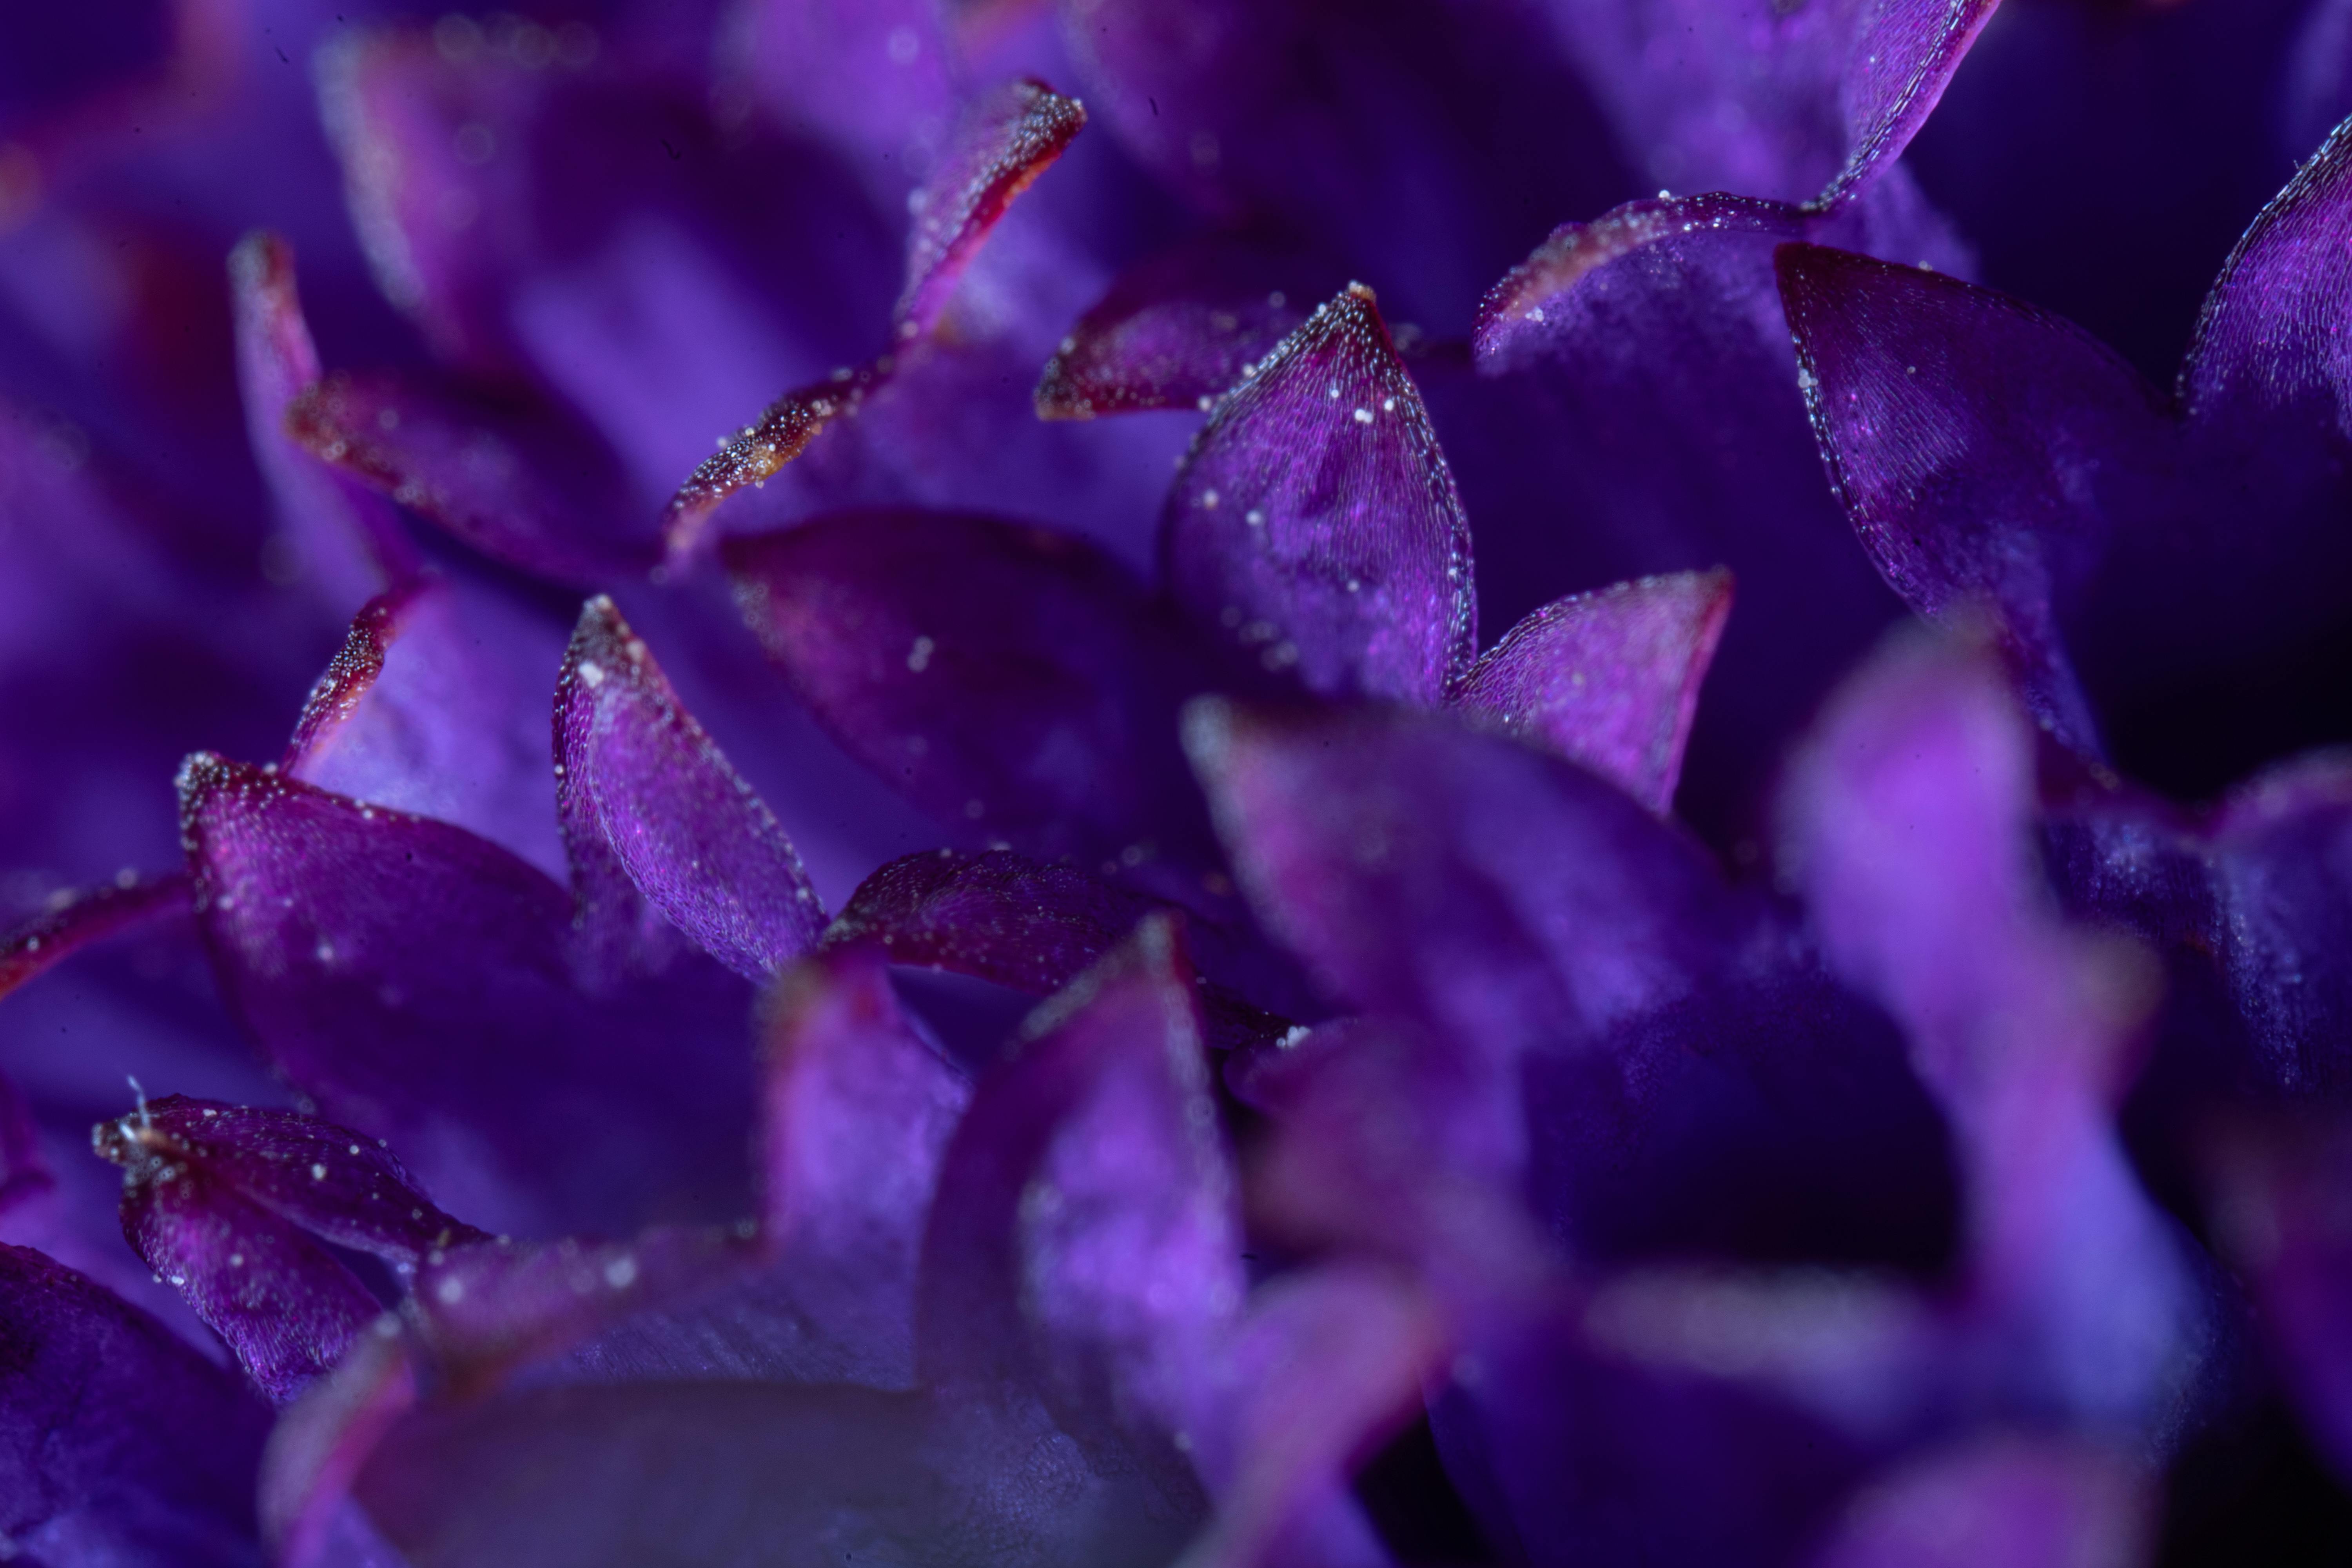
{"type": "Point", "coordinates": [1008, 139]}
{"type": "Point", "coordinates": [2035, 1503]}
{"type": "Point", "coordinates": [513, 475]}
{"type": "Point", "coordinates": [1315, 523]}
{"type": "Point", "coordinates": [858, 1115]}
{"type": "Point", "coordinates": [1985, 450]}
{"type": "Point", "coordinates": [349, 539]}
{"type": "Point", "coordinates": [118, 1441]}
{"type": "Point", "coordinates": [1611, 678]}
{"type": "Point", "coordinates": [1424, 869]}
{"type": "Point", "coordinates": [657, 823]}
{"type": "Point", "coordinates": [418, 982]}
{"type": "Point", "coordinates": [1016, 683]}
{"type": "Point", "coordinates": [436, 705]}
{"type": "Point", "coordinates": [1114, 1294]}
{"type": "Point", "coordinates": [1175, 332]}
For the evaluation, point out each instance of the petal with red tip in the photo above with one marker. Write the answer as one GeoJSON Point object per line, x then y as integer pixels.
{"type": "Point", "coordinates": [119, 1442]}
{"type": "Point", "coordinates": [436, 705]}
{"type": "Point", "coordinates": [1611, 678]}
{"type": "Point", "coordinates": [419, 983]}
{"type": "Point", "coordinates": [1016, 684]}
{"type": "Point", "coordinates": [1085, 1239]}
{"type": "Point", "coordinates": [1316, 525]}
{"type": "Point", "coordinates": [1008, 138]}
{"type": "Point", "coordinates": [514, 476]}
{"type": "Point", "coordinates": [658, 824]}
{"type": "Point", "coordinates": [47, 939]}
{"type": "Point", "coordinates": [349, 539]}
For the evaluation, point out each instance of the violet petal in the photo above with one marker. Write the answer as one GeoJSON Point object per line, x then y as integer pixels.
{"type": "Point", "coordinates": [1316, 525]}
{"type": "Point", "coordinates": [49, 939]}
{"type": "Point", "coordinates": [2037, 1503]}
{"type": "Point", "coordinates": [516, 476]}
{"type": "Point", "coordinates": [1007, 140]}
{"type": "Point", "coordinates": [419, 982]}
{"type": "Point", "coordinates": [436, 705]}
{"type": "Point", "coordinates": [1986, 450]}
{"type": "Point", "coordinates": [349, 538]}
{"type": "Point", "coordinates": [121, 1443]}
{"type": "Point", "coordinates": [1176, 330]}
{"type": "Point", "coordinates": [1016, 684]}
{"type": "Point", "coordinates": [1609, 679]}
{"type": "Point", "coordinates": [858, 1114]}
{"type": "Point", "coordinates": [1114, 1296]}
{"type": "Point", "coordinates": [659, 828]}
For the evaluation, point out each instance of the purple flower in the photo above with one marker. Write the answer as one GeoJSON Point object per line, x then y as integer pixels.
{"type": "Point", "coordinates": [1019, 982]}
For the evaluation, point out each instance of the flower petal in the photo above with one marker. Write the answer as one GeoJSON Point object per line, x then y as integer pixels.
{"type": "Point", "coordinates": [437, 705]}
{"type": "Point", "coordinates": [1114, 1290]}
{"type": "Point", "coordinates": [118, 1441]}
{"type": "Point", "coordinates": [1008, 138]}
{"type": "Point", "coordinates": [858, 1115]}
{"type": "Point", "coordinates": [329, 1181]}
{"type": "Point", "coordinates": [2278, 1193]}
{"type": "Point", "coordinates": [1016, 684]}
{"type": "Point", "coordinates": [740, 1472]}
{"type": "Point", "coordinates": [349, 539]}
{"type": "Point", "coordinates": [1176, 330]}
{"type": "Point", "coordinates": [1316, 524]}
{"type": "Point", "coordinates": [419, 982]}
{"type": "Point", "coordinates": [658, 824]}
{"type": "Point", "coordinates": [2038, 1503]}
{"type": "Point", "coordinates": [1422, 868]}
{"type": "Point", "coordinates": [1609, 680]}
{"type": "Point", "coordinates": [49, 939]}
{"type": "Point", "coordinates": [995, 916]}
{"type": "Point", "coordinates": [517, 477]}
{"type": "Point", "coordinates": [286, 1307]}
{"type": "Point", "coordinates": [1985, 450]}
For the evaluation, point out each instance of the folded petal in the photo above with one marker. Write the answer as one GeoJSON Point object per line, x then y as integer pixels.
{"type": "Point", "coordinates": [418, 982]}
{"type": "Point", "coordinates": [1085, 1240]}
{"type": "Point", "coordinates": [1016, 684]}
{"type": "Point", "coordinates": [1316, 524]}
{"type": "Point", "coordinates": [660, 829]}
{"type": "Point", "coordinates": [1008, 138]}
{"type": "Point", "coordinates": [287, 1308]}
{"type": "Point", "coordinates": [119, 1442]}
{"type": "Point", "coordinates": [1177, 329]}
{"type": "Point", "coordinates": [1609, 680]}
{"type": "Point", "coordinates": [55, 935]}
{"type": "Point", "coordinates": [1986, 451]}
{"type": "Point", "coordinates": [349, 539]}
{"type": "Point", "coordinates": [436, 705]}
{"type": "Point", "coordinates": [515, 476]}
